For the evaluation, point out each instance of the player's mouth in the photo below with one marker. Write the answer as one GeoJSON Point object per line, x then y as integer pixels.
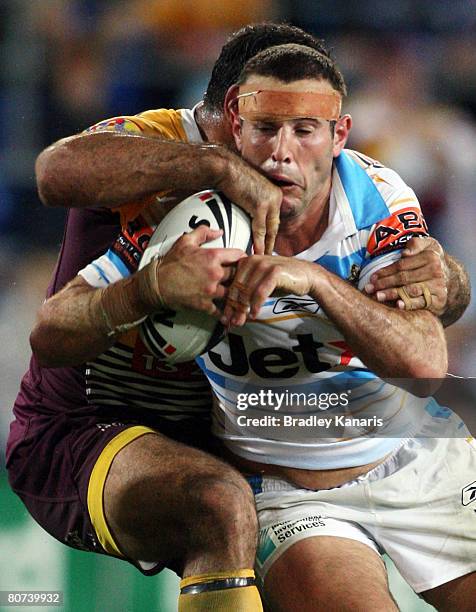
{"type": "Point", "coordinates": [282, 181]}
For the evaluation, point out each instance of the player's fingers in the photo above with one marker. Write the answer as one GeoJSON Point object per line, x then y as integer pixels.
{"type": "Point", "coordinates": [417, 303]}
{"type": "Point", "coordinates": [412, 291]}
{"type": "Point", "coordinates": [389, 295]}
{"type": "Point", "coordinates": [229, 272]}
{"type": "Point", "coordinates": [414, 297]}
{"type": "Point", "coordinates": [237, 303]}
{"type": "Point", "coordinates": [258, 228]}
{"type": "Point", "coordinates": [213, 310]}
{"type": "Point", "coordinates": [402, 265]}
{"type": "Point", "coordinates": [228, 256]}
{"type": "Point", "coordinates": [242, 290]}
{"type": "Point", "coordinates": [264, 288]}
{"type": "Point", "coordinates": [410, 303]}
{"type": "Point", "coordinates": [403, 278]}
{"type": "Point", "coordinates": [202, 234]}
{"type": "Point", "coordinates": [417, 244]}
{"type": "Point", "coordinates": [220, 292]}
{"type": "Point", "coordinates": [261, 280]}
{"type": "Point", "coordinates": [422, 243]}
{"type": "Point", "coordinates": [235, 313]}
{"type": "Point", "coordinates": [251, 279]}
{"type": "Point", "coordinates": [250, 271]}
{"type": "Point", "coordinates": [272, 227]}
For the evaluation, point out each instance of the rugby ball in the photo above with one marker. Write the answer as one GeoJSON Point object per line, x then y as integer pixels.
{"type": "Point", "coordinates": [178, 336]}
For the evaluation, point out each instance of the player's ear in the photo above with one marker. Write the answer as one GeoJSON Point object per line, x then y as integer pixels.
{"type": "Point", "coordinates": [231, 113]}
{"type": "Point", "coordinates": [341, 133]}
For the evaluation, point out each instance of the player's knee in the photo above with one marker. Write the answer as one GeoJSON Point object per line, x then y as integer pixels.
{"type": "Point", "coordinates": [204, 512]}
{"type": "Point", "coordinates": [223, 510]}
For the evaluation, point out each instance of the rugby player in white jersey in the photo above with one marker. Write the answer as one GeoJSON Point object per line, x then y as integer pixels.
{"type": "Point", "coordinates": [132, 512]}
{"type": "Point", "coordinates": [124, 162]}
{"type": "Point", "coordinates": [328, 507]}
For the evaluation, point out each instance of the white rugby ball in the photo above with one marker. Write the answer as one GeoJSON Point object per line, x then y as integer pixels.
{"type": "Point", "coordinates": [178, 336]}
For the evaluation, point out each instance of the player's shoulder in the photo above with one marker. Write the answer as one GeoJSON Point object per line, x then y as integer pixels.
{"type": "Point", "coordinates": [376, 170]}
{"type": "Point", "coordinates": [390, 185]}
{"type": "Point", "coordinates": [164, 119]}
{"type": "Point", "coordinates": [161, 122]}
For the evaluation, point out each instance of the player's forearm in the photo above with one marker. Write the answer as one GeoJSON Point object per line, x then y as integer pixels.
{"type": "Point", "coordinates": [78, 323]}
{"type": "Point", "coordinates": [459, 291]}
{"type": "Point", "coordinates": [391, 343]}
{"type": "Point", "coordinates": [110, 170]}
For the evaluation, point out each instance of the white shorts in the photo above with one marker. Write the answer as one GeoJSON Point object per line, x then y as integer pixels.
{"type": "Point", "coordinates": [418, 506]}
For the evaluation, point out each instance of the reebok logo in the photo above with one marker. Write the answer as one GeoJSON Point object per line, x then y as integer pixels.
{"type": "Point", "coordinates": [468, 494]}
{"type": "Point", "coordinates": [295, 304]}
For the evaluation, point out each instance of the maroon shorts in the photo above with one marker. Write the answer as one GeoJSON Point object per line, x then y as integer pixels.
{"type": "Point", "coordinates": [50, 470]}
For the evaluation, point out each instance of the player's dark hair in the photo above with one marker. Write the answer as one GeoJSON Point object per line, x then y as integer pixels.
{"type": "Point", "coordinates": [243, 45]}
{"type": "Point", "coordinates": [293, 62]}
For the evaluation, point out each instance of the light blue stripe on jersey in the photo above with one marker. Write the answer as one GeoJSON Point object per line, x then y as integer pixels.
{"type": "Point", "coordinates": [364, 199]}
{"type": "Point", "coordinates": [343, 381]}
{"type": "Point", "coordinates": [120, 265]}
{"type": "Point", "coordinates": [101, 273]}
{"type": "Point", "coordinates": [438, 411]}
{"type": "Point", "coordinates": [222, 381]}
{"type": "Point", "coordinates": [224, 398]}
{"type": "Point", "coordinates": [341, 265]}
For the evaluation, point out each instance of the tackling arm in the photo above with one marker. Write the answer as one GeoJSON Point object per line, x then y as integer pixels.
{"type": "Point", "coordinates": [110, 170]}
{"type": "Point", "coordinates": [70, 327]}
{"type": "Point", "coordinates": [424, 261]}
{"type": "Point", "coordinates": [458, 290]}
{"type": "Point", "coordinates": [81, 322]}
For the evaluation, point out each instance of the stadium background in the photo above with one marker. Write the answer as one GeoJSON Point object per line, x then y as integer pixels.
{"type": "Point", "coordinates": [411, 70]}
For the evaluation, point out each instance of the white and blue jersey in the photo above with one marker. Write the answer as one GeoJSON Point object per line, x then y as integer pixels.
{"type": "Point", "coordinates": [291, 361]}
{"type": "Point", "coordinates": [292, 352]}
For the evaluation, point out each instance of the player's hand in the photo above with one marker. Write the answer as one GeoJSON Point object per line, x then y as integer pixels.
{"type": "Point", "coordinates": [264, 209]}
{"type": "Point", "coordinates": [192, 277]}
{"type": "Point", "coordinates": [258, 196]}
{"type": "Point", "coordinates": [422, 264]}
{"type": "Point", "coordinates": [259, 276]}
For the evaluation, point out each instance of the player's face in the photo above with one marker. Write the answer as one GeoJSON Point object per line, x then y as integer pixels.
{"type": "Point", "coordinates": [296, 154]}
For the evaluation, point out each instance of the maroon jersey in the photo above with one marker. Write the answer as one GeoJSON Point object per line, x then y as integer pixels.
{"type": "Point", "coordinates": [125, 382]}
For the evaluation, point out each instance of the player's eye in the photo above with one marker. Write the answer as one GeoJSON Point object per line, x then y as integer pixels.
{"type": "Point", "coordinates": [265, 128]}
{"type": "Point", "coordinates": [304, 130]}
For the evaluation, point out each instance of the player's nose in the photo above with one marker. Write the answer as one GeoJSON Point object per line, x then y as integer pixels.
{"type": "Point", "coordinates": [282, 146]}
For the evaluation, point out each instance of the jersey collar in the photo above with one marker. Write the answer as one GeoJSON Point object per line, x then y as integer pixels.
{"type": "Point", "coordinates": [190, 125]}
{"type": "Point", "coordinates": [356, 196]}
